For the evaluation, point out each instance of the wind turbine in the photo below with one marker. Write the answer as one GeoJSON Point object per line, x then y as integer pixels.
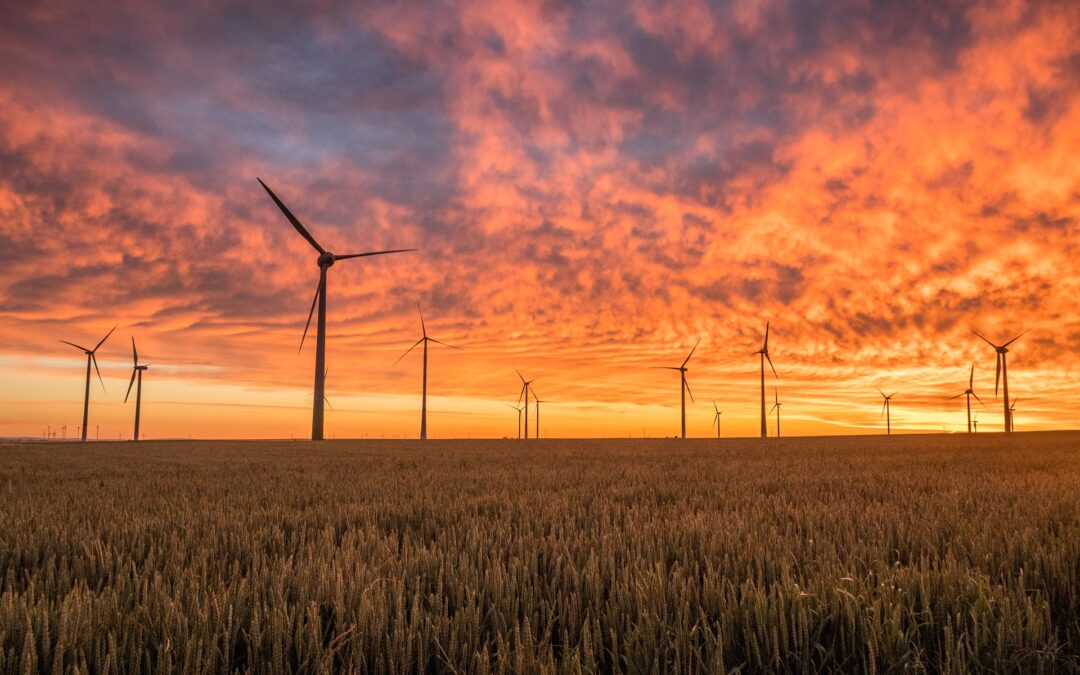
{"type": "Point", "coordinates": [136, 371]}
{"type": "Point", "coordinates": [525, 392]}
{"type": "Point", "coordinates": [425, 340]}
{"type": "Point", "coordinates": [684, 388]}
{"type": "Point", "coordinates": [325, 261]}
{"type": "Point", "coordinates": [90, 358]}
{"type": "Point", "coordinates": [1002, 376]}
{"type": "Point", "coordinates": [518, 409]}
{"type": "Point", "coordinates": [764, 352]}
{"type": "Point", "coordinates": [976, 422]}
{"type": "Point", "coordinates": [886, 410]}
{"type": "Point", "coordinates": [1012, 413]}
{"type": "Point", "coordinates": [716, 419]}
{"type": "Point", "coordinates": [537, 400]}
{"type": "Point", "coordinates": [969, 392]}
{"type": "Point", "coordinates": [776, 407]}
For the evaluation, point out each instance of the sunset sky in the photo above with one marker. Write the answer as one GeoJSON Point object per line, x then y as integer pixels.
{"type": "Point", "coordinates": [593, 186]}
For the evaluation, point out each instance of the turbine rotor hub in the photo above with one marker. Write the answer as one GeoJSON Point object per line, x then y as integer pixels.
{"type": "Point", "coordinates": [326, 259]}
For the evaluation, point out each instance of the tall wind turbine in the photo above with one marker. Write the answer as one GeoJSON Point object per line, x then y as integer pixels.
{"type": "Point", "coordinates": [776, 407]}
{"type": "Point", "coordinates": [764, 352]}
{"type": "Point", "coordinates": [136, 371]}
{"type": "Point", "coordinates": [969, 392]}
{"type": "Point", "coordinates": [1002, 376]}
{"type": "Point", "coordinates": [886, 411]}
{"type": "Point", "coordinates": [716, 419]}
{"type": "Point", "coordinates": [325, 261]}
{"type": "Point", "coordinates": [425, 340]}
{"type": "Point", "coordinates": [518, 409]}
{"type": "Point", "coordinates": [684, 388]}
{"type": "Point", "coordinates": [90, 358]}
{"type": "Point", "coordinates": [525, 392]}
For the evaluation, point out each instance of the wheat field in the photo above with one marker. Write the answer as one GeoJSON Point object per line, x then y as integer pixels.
{"type": "Point", "coordinates": [870, 554]}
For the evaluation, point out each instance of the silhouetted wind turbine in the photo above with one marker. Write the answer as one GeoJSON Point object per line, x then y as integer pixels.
{"type": "Point", "coordinates": [425, 340]}
{"type": "Point", "coordinates": [776, 407]}
{"type": "Point", "coordinates": [1012, 415]}
{"type": "Point", "coordinates": [684, 387]}
{"type": "Point", "coordinates": [969, 392]}
{"type": "Point", "coordinates": [537, 400]}
{"type": "Point", "coordinates": [716, 419]}
{"type": "Point", "coordinates": [764, 352]}
{"type": "Point", "coordinates": [976, 422]}
{"type": "Point", "coordinates": [91, 358]}
{"type": "Point", "coordinates": [325, 261]}
{"type": "Point", "coordinates": [136, 371]}
{"type": "Point", "coordinates": [1002, 376]}
{"type": "Point", "coordinates": [518, 409]}
{"type": "Point", "coordinates": [525, 392]}
{"type": "Point", "coordinates": [886, 410]}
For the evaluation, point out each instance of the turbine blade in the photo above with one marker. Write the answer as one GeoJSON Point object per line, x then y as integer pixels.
{"type": "Point", "coordinates": [423, 327]}
{"type": "Point", "coordinates": [879, 391]}
{"type": "Point", "coordinates": [958, 396]}
{"type": "Point", "coordinates": [664, 368]}
{"type": "Point", "coordinates": [134, 352]}
{"type": "Point", "coordinates": [691, 353]}
{"type": "Point", "coordinates": [971, 378]}
{"type": "Point", "coordinates": [687, 385]}
{"type": "Point", "coordinates": [79, 347]}
{"type": "Point", "coordinates": [519, 375]}
{"type": "Point", "coordinates": [765, 347]}
{"type": "Point", "coordinates": [521, 393]}
{"type": "Point", "coordinates": [1016, 338]}
{"type": "Point", "coordinates": [133, 374]}
{"type": "Point", "coordinates": [715, 409]}
{"type": "Point", "coordinates": [311, 312]}
{"type": "Point", "coordinates": [104, 338]}
{"type": "Point", "coordinates": [772, 408]}
{"type": "Point", "coordinates": [408, 350]}
{"type": "Point", "coordinates": [370, 253]}
{"type": "Point", "coordinates": [442, 343]}
{"type": "Point", "coordinates": [292, 219]}
{"type": "Point", "coordinates": [1013, 406]}
{"type": "Point", "coordinates": [772, 366]}
{"type": "Point", "coordinates": [94, 360]}
{"type": "Point", "coordinates": [883, 405]}
{"type": "Point", "coordinates": [997, 378]}
{"type": "Point", "coordinates": [983, 338]}
{"type": "Point", "coordinates": [978, 399]}
{"type": "Point", "coordinates": [327, 401]}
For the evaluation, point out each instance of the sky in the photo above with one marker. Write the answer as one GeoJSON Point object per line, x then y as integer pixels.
{"type": "Point", "coordinates": [593, 187]}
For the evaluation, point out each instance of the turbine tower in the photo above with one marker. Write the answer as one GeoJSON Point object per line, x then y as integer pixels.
{"type": "Point", "coordinates": [886, 411]}
{"type": "Point", "coordinates": [776, 407]}
{"type": "Point", "coordinates": [716, 419]}
{"type": "Point", "coordinates": [684, 388]}
{"type": "Point", "coordinates": [325, 261]}
{"type": "Point", "coordinates": [764, 352]}
{"type": "Point", "coordinates": [525, 392]}
{"type": "Point", "coordinates": [136, 373]}
{"type": "Point", "coordinates": [1002, 376]}
{"type": "Point", "coordinates": [425, 340]}
{"type": "Point", "coordinates": [91, 358]}
{"type": "Point", "coordinates": [969, 392]}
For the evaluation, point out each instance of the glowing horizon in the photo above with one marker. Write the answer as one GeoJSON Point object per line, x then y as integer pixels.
{"type": "Point", "coordinates": [592, 189]}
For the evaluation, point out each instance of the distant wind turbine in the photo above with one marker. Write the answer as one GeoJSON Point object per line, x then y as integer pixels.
{"type": "Point", "coordinates": [716, 419]}
{"type": "Point", "coordinates": [537, 400]}
{"type": "Point", "coordinates": [91, 358]}
{"type": "Point", "coordinates": [969, 392]}
{"type": "Point", "coordinates": [886, 410]}
{"type": "Point", "coordinates": [684, 387]}
{"type": "Point", "coordinates": [325, 261]}
{"type": "Point", "coordinates": [1012, 415]}
{"type": "Point", "coordinates": [976, 422]}
{"type": "Point", "coordinates": [1002, 376]}
{"type": "Point", "coordinates": [525, 392]}
{"type": "Point", "coordinates": [776, 407]}
{"type": "Point", "coordinates": [425, 340]}
{"type": "Point", "coordinates": [518, 409]}
{"type": "Point", "coordinates": [764, 352]}
{"type": "Point", "coordinates": [136, 373]}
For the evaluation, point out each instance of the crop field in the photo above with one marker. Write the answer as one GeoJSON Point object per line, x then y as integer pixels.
{"type": "Point", "coordinates": [869, 554]}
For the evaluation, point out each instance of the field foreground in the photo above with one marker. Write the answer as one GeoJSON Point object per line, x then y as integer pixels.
{"type": "Point", "coordinates": [909, 553]}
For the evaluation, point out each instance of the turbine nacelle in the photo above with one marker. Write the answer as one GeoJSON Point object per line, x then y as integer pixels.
{"type": "Point", "coordinates": [326, 259]}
